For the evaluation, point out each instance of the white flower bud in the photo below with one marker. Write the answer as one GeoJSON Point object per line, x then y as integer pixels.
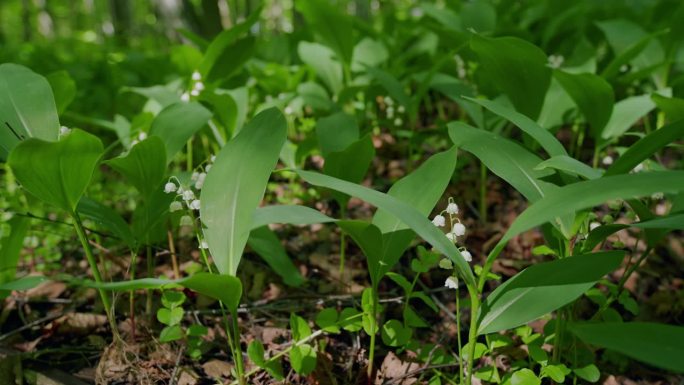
{"type": "Point", "coordinates": [439, 221]}
{"type": "Point", "coordinates": [170, 187]}
{"type": "Point", "coordinates": [451, 237]}
{"type": "Point", "coordinates": [185, 97]}
{"type": "Point", "coordinates": [446, 264]}
{"type": "Point", "coordinates": [175, 206]}
{"type": "Point", "coordinates": [199, 86]}
{"type": "Point", "coordinates": [186, 220]}
{"type": "Point", "coordinates": [401, 109]}
{"type": "Point", "coordinates": [204, 244]}
{"type": "Point", "coordinates": [142, 136]}
{"type": "Point", "coordinates": [195, 175]}
{"type": "Point", "coordinates": [188, 195]}
{"type": "Point", "coordinates": [200, 181]}
{"type": "Point", "coordinates": [64, 130]}
{"type": "Point", "coordinates": [459, 229]}
{"type": "Point", "coordinates": [212, 159]}
{"type": "Point", "coordinates": [195, 205]}
{"type": "Point", "coordinates": [452, 208]}
{"type": "Point", "coordinates": [207, 168]}
{"type": "Point", "coordinates": [194, 92]}
{"type": "Point", "coordinates": [398, 122]}
{"type": "Point", "coordinates": [607, 160]}
{"type": "Point", "coordinates": [594, 225]}
{"type": "Point", "coordinates": [196, 76]}
{"type": "Point", "coordinates": [389, 101]}
{"type": "Point", "coordinates": [451, 282]}
{"type": "Point", "coordinates": [467, 256]}
{"type": "Point", "coordinates": [288, 110]}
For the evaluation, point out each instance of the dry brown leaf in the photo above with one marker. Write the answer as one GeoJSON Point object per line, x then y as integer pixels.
{"type": "Point", "coordinates": [79, 323]}
{"type": "Point", "coordinates": [394, 368]}
{"type": "Point", "coordinates": [217, 369]}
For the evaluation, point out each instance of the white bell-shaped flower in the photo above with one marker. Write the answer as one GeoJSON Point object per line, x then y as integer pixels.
{"type": "Point", "coordinates": [195, 205]}
{"type": "Point", "coordinates": [452, 208]}
{"type": "Point", "coordinates": [170, 187]}
{"type": "Point", "coordinates": [459, 229]}
{"type": "Point", "coordinates": [451, 282]}
{"type": "Point", "coordinates": [466, 255]}
{"type": "Point", "coordinates": [439, 221]}
{"type": "Point", "coordinates": [188, 195]}
{"type": "Point", "coordinates": [175, 206]}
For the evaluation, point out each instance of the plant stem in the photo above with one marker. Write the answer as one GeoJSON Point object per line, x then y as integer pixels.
{"type": "Point", "coordinates": [131, 294]}
{"type": "Point", "coordinates": [150, 268]}
{"type": "Point", "coordinates": [458, 337]}
{"type": "Point", "coordinates": [78, 225]}
{"type": "Point", "coordinates": [174, 259]}
{"type": "Point", "coordinates": [343, 243]}
{"type": "Point", "coordinates": [483, 192]}
{"type": "Point", "coordinates": [239, 364]}
{"type": "Point", "coordinates": [472, 333]}
{"type": "Point", "coordinates": [374, 331]}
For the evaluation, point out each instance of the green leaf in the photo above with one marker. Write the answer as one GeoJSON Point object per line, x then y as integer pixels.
{"type": "Point", "coordinates": [517, 67]}
{"type": "Point", "coordinates": [64, 89]}
{"type": "Point", "coordinates": [588, 373]}
{"type": "Point", "coordinates": [404, 212]}
{"type": "Point", "coordinates": [11, 244]}
{"type": "Point", "coordinates": [401, 281]}
{"type": "Point", "coordinates": [106, 218]}
{"type": "Point", "coordinates": [555, 372]}
{"type": "Point", "coordinates": [303, 359]}
{"type": "Point", "coordinates": [23, 283]}
{"type": "Point", "coordinates": [171, 333]}
{"type": "Point", "coordinates": [336, 132]}
{"type": "Point", "coordinates": [657, 344]}
{"type": "Point", "coordinates": [525, 377]}
{"type": "Point", "coordinates": [350, 319]}
{"type": "Point", "coordinates": [265, 243]}
{"type": "Point", "coordinates": [234, 187]}
{"type": "Point", "coordinates": [57, 172]}
{"type": "Point", "coordinates": [327, 320]}
{"type": "Point", "coordinates": [505, 158]}
{"type": "Point", "coordinates": [288, 214]}
{"type": "Point", "coordinates": [27, 108]}
{"type": "Point", "coordinates": [227, 52]}
{"type": "Point", "coordinates": [592, 94]}
{"type": "Point", "coordinates": [172, 299]}
{"type": "Point", "coordinates": [177, 123]}
{"type": "Point", "coordinates": [144, 166]}
{"type": "Point", "coordinates": [393, 87]}
{"type": "Point", "coordinates": [672, 107]}
{"type": "Point", "coordinates": [322, 60]}
{"type": "Point", "coordinates": [368, 53]}
{"type": "Point", "coordinates": [574, 197]}
{"type": "Point", "coordinates": [255, 352]}
{"type": "Point", "coordinates": [395, 334]}
{"type": "Point", "coordinates": [351, 164]}
{"type": "Point", "coordinates": [299, 327]}
{"type": "Point", "coordinates": [626, 113]}
{"type": "Point", "coordinates": [570, 165]}
{"type": "Point", "coordinates": [545, 138]}
{"type": "Point", "coordinates": [479, 16]}
{"type": "Point", "coordinates": [170, 317]}
{"type": "Point", "coordinates": [647, 146]}
{"type": "Point", "coordinates": [543, 288]}
{"type": "Point", "coordinates": [333, 27]}
{"type": "Point", "coordinates": [369, 238]}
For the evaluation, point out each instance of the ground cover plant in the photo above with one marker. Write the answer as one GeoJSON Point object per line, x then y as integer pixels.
{"type": "Point", "coordinates": [341, 192]}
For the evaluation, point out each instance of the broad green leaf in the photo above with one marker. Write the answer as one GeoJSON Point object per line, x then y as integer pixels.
{"type": "Point", "coordinates": [172, 299]}
{"type": "Point", "coordinates": [368, 53]}
{"type": "Point", "coordinates": [525, 377]}
{"type": "Point", "coordinates": [406, 213]}
{"type": "Point", "coordinates": [557, 102]}
{"type": "Point", "coordinates": [149, 218]}
{"type": "Point", "coordinates": [23, 283]}
{"type": "Point", "coordinates": [299, 327]}
{"type": "Point", "coordinates": [227, 53]}
{"type": "Point", "coordinates": [593, 95]}
{"type": "Point", "coordinates": [322, 60]}
{"type": "Point", "coordinates": [303, 359]}
{"type": "Point", "coordinates": [336, 132]}
{"type": "Point", "coordinates": [236, 184]}
{"type": "Point", "coordinates": [327, 320]}
{"type": "Point", "coordinates": [106, 218]}
{"type": "Point", "coordinates": [626, 113]}
{"type": "Point", "coordinates": [456, 90]}
{"type": "Point", "coordinates": [225, 288]}
{"type": "Point", "coordinates": [647, 146]}
{"type": "Point", "coordinates": [255, 352]}
{"type": "Point", "coordinates": [265, 243]}
{"type": "Point", "coordinates": [64, 89]}
{"type": "Point", "coordinates": [657, 344]}
{"type": "Point", "coordinates": [628, 38]}
{"type": "Point", "coordinates": [170, 317]}
{"type": "Point", "coordinates": [545, 138]}
{"type": "Point", "coordinates": [225, 109]}
{"type": "Point", "coordinates": [171, 333]}
{"type": "Point", "coordinates": [543, 288]}
{"type": "Point", "coordinates": [57, 172]}
{"type": "Point", "coordinates": [555, 372]}
{"type": "Point", "coordinates": [395, 334]}
{"type": "Point", "coordinates": [315, 96]}
{"type": "Point", "coordinates": [10, 247]}
{"type": "Point", "coordinates": [479, 16]}
{"type": "Point", "coordinates": [672, 107]}
{"type": "Point", "coordinates": [288, 214]}
{"type": "Point", "coordinates": [350, 164]}
{"type": "Point", "coordinates": [333, 27]}
{"type": "Point", "coordinates": [27, 108]}
{"type": "Point", "coordinates": [518, 68]}
{"type": "Point", "coordinates": [177, 123]}
{"type": "Point", "coordinates": [162, 95]}
{"type": "Point", "coordinates": [369, 238]}
{"type": "Point", "coordinates": [588, 373]}
{"type": "Point", "coordinates": [574, 197]}
{"type": "Point", "coordinates": [144, 166]}
{"type": "Point", "coordinates": [570, 165]}
{"type": "Point", "coordinates": [505, 158]}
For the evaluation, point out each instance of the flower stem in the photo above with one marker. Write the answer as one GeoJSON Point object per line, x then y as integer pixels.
{"type": "Point", "coordinates": [106, 302]}
{"type": "Point", "coordinates": [458, 337]}
{"type": "Point", "coordinates": [472, 333]}
{"type": "Point", "coordinates": [374, 330]}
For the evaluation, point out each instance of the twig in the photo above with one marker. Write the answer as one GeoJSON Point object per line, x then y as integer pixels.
{"type": "Point", "coordinates": [30, 325]}
{"type": "Point", "coordinates": [174, 374]}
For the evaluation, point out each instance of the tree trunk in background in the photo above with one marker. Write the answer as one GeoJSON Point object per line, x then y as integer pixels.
{"type": "Point", "coordinates": [121, 19]}
{"type": "Point", "coordinates": [211, 20]}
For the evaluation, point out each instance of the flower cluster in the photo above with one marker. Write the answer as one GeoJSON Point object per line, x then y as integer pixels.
{"type": "Point", "coordinates": [457, 229]}
{"type": "Point", "coordinates": [389, 111]}
{"type": "Point", "coordinates": [197, 87]}
{"type": "Point", "coordinates": [186, 193]}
